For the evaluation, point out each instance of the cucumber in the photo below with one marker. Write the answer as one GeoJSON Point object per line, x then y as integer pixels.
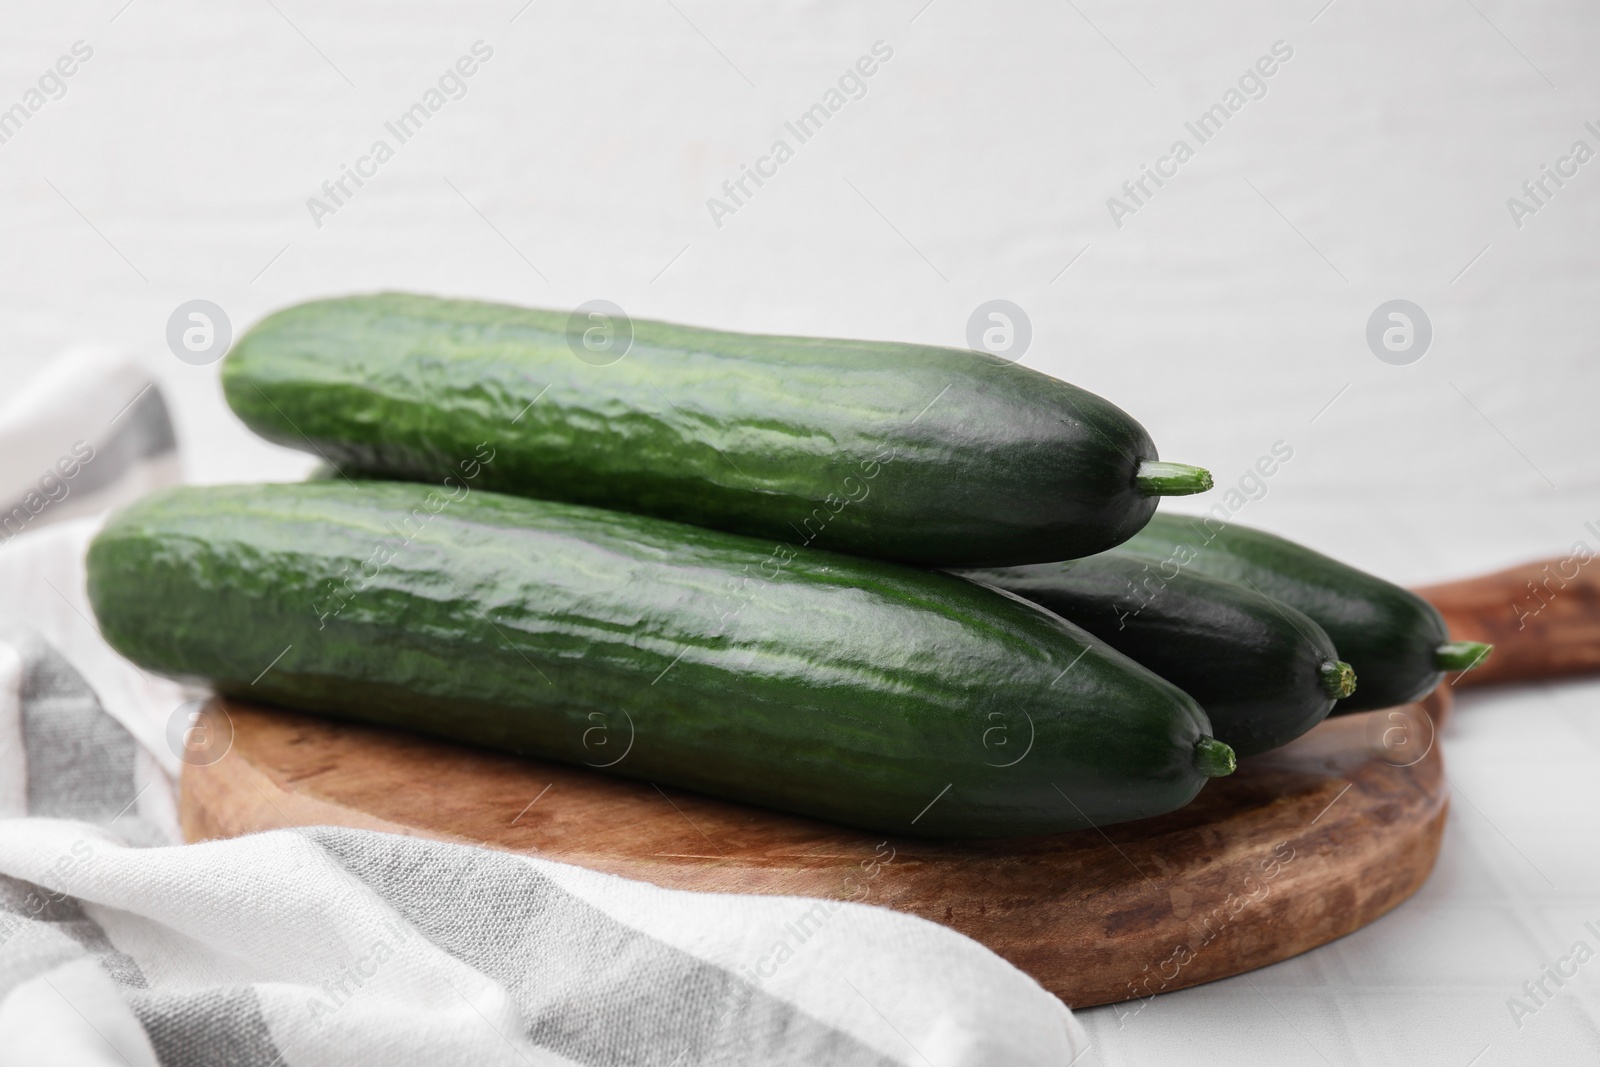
{"type": "Point", "coordinates": [1396, 642]}
{"type": "Point", "coordinates": [1263, 672]}
{"type": "Point", "coordinates": [924, 455]}
{"type": "Point", "coordinates": [868, 693]}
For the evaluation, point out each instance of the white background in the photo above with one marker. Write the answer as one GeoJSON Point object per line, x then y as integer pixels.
{"type": "Point", "coordinates": [1226, 314]}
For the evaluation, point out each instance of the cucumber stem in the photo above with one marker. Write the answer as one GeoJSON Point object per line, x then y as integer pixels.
{"type": "Point", "coordinates": [1159, 478]}
{"type": "Point", "coordinates": [1338, 679]}
{"type": "Point", "coordinates": [1213, 759]}
{"type": "Point", "coordinates": [1460, 655]}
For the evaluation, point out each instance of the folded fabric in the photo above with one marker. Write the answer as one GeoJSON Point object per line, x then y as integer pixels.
{"type": "Point", "coordinates": [87, 433]}
{"type": "Point", "coordinates": [324, 945]}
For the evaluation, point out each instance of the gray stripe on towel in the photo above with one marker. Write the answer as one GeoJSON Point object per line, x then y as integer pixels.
{"type": "Point", "coordinates": [24, 904]}
{"type": "Point", "coordinates": [589, 987]}
{"type": "Point", "coordinates": [209, 1028]}
{"type": "Point", "coordinates": [80, 760]}
{"type": "Point", "coordinates": [142, 432]}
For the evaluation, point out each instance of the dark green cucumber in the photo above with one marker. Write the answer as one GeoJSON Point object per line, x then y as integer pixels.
{"type": "Point", "coordinates": [1263, 672]}
{"type": "Point", "coordinates": [925, 455]}
{"type": "Point", "coordinates": [855, 690]}
{"type": "Point", "coordinates": [1397, 642]}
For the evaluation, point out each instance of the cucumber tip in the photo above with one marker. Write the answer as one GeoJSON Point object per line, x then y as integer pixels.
{"type": "Point", "coordinates": [1158, 478]}
{"type": "Point", "coordinates": [1338, 679]}
{"type": "Point", "coordinates": [1461, 655]}
{"type": "Point", "coordinates": [1214, 759]}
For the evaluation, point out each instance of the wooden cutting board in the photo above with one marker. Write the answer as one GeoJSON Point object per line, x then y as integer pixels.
{"type": "Point", "coordinates": [1300, 846]}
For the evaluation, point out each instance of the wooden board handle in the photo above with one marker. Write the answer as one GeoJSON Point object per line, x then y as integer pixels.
{"type": "Point", "coordinates": [1543, 618]}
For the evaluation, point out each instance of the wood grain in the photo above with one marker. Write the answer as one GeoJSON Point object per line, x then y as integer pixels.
{"type": "Point", "coordinates": [1543, 618]}
{"type": "Point", "coordinates": [1298, 847]}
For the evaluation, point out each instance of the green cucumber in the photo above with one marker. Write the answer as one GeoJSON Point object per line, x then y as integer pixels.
{"type": "Point", "coordinates": [931, 456]}
{"type": "Point", "coordinates": [1263, 672]}
{"type": "Point", "coordinates": [1396, 642]}
{"type": "Point", "coordinates": [869, 693]}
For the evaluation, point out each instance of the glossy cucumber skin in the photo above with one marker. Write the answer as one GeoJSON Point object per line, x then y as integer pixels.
{"type": "Point", "coordinates": [1389, 635]}
{"type": "Point", "coordinates": [1253, 664]}
{"type": "Point", "coordinates": [833, 686]}
{"type": "Point", "coordinates": [924, 455]}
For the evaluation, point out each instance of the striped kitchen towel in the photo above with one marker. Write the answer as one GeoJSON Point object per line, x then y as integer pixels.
{"type": "Point", "coordinates": [87, 433]}
{"type": "Point", "coordinates": [301, 946]}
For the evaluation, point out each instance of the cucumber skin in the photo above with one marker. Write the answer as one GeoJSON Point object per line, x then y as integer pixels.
{"type": "Point", "coordinates": [924, 455]}
{"type": "Point", "coordinates": [846, 689]}
{"type": "Point", "coordinates": [1387, 634]}
{"type": "Point", "coordinates": [1251, 663]}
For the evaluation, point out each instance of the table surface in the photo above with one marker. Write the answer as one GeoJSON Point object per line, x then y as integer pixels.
{"type": "Point", "coordinates": [1226, 307]}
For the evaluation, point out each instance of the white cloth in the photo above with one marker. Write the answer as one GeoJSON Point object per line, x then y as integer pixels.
{"type": "Point", "coordinates": [335, 946]}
